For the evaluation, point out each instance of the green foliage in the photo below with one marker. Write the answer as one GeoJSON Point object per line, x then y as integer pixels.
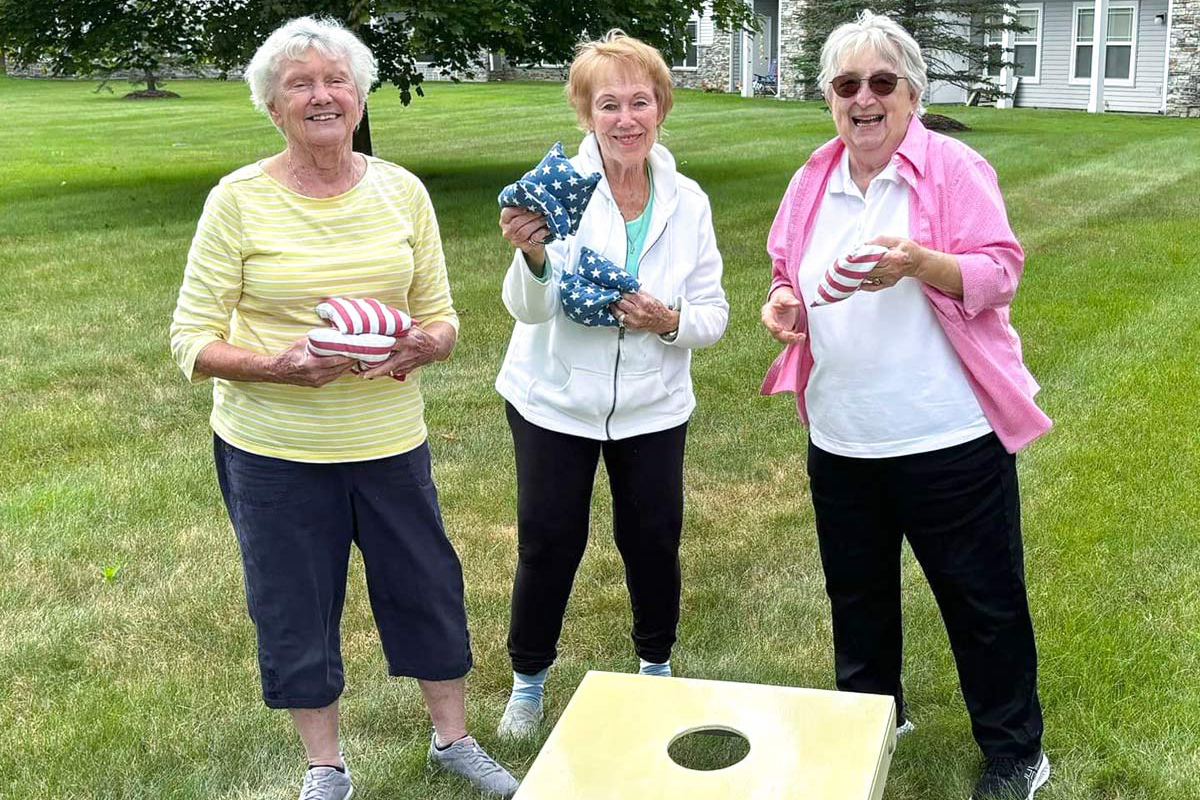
{"type": "Point", "coordinates": [948, 31]}
{"type": "Point", "coordinates": [99, 37]}
{"type": "Point", "coordinates": [452, 34]}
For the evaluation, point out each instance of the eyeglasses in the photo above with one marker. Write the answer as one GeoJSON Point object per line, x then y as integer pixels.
{"type": "Point", "coordinates": [881, 84]}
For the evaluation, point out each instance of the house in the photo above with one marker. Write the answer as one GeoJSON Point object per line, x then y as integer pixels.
{"type": "Point", "coordinates": [1148, 51]}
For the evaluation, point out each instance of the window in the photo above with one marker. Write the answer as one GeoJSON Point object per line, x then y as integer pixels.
{"type": "Point", "coordinates": [1118, 49]}
{"type": "Point", "coordinates": [690, 59]}
{"type": "Point", "coordinates": [1026, 45]}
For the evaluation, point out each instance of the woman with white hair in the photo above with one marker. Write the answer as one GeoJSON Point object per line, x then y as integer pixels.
{"type": "Point", "coordinates": [911, 381]}
{"type": "Point", "coordinates": [310, 454]}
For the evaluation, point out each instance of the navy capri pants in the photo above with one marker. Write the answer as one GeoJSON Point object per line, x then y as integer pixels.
{"type": "Point", "coordinates": [295, 522]}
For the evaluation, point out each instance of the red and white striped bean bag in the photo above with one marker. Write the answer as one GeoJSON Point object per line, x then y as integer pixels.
{"type": "Point", "coordinates": [847, 273]}
{"type": "Point", "coordinates": [362, 328]}
{"type": "Point", "coordinates": [367, 348]}
{"type": "Point", "coordinates": [364, 315]}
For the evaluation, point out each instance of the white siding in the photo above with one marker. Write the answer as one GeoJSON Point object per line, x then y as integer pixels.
{"type": "Point", "coordinates": [1055, 90]}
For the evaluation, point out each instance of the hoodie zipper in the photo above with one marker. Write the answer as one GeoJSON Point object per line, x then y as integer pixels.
{"type": "Point", "coordinates": [621, 329]}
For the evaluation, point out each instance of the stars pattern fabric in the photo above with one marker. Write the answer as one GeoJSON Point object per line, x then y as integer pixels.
{"type": "Point", "coordinates": [591, 287]}
{"type": "Point", "coordinates": [555, 190]}
{"type": "Point", "coordinates": [362, 328]}
{"type": "Point", "coordinates": [846, 275]}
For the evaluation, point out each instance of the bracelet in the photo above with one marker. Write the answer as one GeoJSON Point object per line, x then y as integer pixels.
{"type": "Point", "coordinates": [670, 336]}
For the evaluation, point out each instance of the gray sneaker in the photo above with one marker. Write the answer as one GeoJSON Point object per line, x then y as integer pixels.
{"type": "Point", "coordinates": [326, 783]}
{"type": "Point", "coordinates": [521, 718]}
{"type": "Point", "coordinates": [906, 728]}
{"type": "Point", "coordinates": [468, 760]}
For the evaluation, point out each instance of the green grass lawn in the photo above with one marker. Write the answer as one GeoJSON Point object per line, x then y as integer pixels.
{"type": "Point", "coordinates": [144, 683]}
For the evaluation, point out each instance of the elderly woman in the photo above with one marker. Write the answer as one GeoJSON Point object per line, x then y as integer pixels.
{"type": "Point", "coordinates": [914, 392]}
{"type": "Point", "coordinates": [576, 392]}
{"type": "Point", "coordinates": [310, 455]}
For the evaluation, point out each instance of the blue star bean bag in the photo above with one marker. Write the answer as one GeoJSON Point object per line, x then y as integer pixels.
{"type": "Point", "coordinates": [555, 190]}
{"type": "Point", "coordinates": [594, 284]}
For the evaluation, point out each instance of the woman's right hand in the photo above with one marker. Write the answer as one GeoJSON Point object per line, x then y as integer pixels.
{"type": "Point", "coordinates": [527, 232]}
{"type": "Point", "coordinates": [298, 367]}
{"type": "Point", "coordinates": [780, 314]}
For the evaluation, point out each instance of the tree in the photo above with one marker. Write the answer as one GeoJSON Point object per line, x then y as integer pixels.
{"type": "Point", "coordinates": [100, 37]}
{"type": "Point", "coordinates": [943, 28]}
{"type": "Point", "coordinates": [452, 34]}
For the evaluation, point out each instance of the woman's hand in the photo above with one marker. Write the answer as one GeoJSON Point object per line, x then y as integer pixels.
{"type": "Point", "coordinates": [298, 367]}
{"type": "Point", "coordinates": [780, 314]}
{"type": "Point", "coordinates": [645, 312]}
{"type": "Point", "coordinates": [907, 259]}
{"type": "Point", "coordinates": [527, 232]}
{"type": "Point", "coordinates": [418, 347]}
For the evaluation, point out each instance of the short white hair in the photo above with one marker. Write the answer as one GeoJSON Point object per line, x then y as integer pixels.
{"type": "Point", "coordinates": [884, 37]}
{"type": "Point", "coordinates": [293, 40]}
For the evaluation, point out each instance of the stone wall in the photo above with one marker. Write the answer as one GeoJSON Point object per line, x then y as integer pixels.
{"type": "Point", "coordinates": [1183, 70]}
{"type": "Point", "coordinates": [791, 37]}
{"type": "Point", "coordinates": [502, 70]}
{"type": "Point", "coordinates": [165, 74]}
{"type": "Point", "coordinates": [715, 65]}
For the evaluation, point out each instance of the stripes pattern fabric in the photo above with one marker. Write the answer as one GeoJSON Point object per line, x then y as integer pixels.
{"type": "Point", "coordinates": [364, 329]}
{"type": "Point", "coordinates": [555, 190]}
{"type": "Point", "coordinates": [262, 260]}
{"type": "Point", "coordinates": [366, 348]}
{"type": "Point", "coordinates": [364, 315]}
{"type": "Point", "coordinates": [594, 284]}
{"type": "Point", "coordinates": [846, 275]}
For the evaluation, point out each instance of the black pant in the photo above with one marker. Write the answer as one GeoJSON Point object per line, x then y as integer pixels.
{"type": "Point", "coordinates": [960, 510]}
{"type": "Point", "coordinates": [555, 473]}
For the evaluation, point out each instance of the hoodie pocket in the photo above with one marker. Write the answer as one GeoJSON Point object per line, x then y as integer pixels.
{"type": "Point", "coordinates": [586, 396]}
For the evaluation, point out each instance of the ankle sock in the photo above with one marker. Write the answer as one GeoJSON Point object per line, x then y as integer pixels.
{"type": "Point", "coordinates": [528, 688]}
{"type": "Point", "coordinates": [662, 670]}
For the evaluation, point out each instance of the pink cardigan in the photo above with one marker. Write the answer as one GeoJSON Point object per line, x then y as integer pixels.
{"type": "Point", "coordinates": [954, 207]}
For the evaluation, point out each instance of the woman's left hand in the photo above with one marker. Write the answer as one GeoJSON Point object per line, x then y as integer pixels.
{"type": "Point", "coordinates": [907, 259]}
{"type": "Point", "coordinates": [644, 312]}
{"type": "Point", "coordinates": [415, 349]}
{"type": "Point", "coordinates": [904, 259]}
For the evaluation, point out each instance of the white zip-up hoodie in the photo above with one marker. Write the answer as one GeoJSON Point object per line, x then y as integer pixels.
{"type": "Point", "coordinates": [612, 383]}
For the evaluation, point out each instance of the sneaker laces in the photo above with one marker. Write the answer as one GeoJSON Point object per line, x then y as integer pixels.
{"type": "Point", "coordinates": [1002, 764]}
{"type": "Point", "coordinates": [313, 783]}
{"type": "Point", "coordinates": [479, 759]}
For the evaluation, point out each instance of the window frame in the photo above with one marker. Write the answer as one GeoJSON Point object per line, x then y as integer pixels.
{"type": "Point", "coordinates": [694, 22]}
{"type": "Point", "coordinates": [1133, 6]}
{"type": "Point", "coordinates": [1009, 55]}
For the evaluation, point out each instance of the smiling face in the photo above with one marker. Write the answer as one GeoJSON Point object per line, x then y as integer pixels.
{"type": "Point", "coordinates": [625, 117]}
{"type": "Point", "coordinates": [316, 103]}
{"type": "Point", "coordinates": [871, 126]}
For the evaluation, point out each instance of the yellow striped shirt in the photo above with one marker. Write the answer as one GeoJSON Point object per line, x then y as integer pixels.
{"type": "Point", "coordinates": [262, 259]}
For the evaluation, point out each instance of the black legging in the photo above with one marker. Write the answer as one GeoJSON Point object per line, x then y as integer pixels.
{"type": "Point", "coordinates": [555, 473]}
{"type": "Point", "coordinates": [960, 511]}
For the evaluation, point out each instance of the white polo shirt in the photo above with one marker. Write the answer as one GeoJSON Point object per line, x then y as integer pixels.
{"type": "Point", "coordinates": [885, 380]}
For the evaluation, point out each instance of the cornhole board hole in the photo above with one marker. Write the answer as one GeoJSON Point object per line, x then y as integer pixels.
{"type": "Point", "coordinates": [805, 744]}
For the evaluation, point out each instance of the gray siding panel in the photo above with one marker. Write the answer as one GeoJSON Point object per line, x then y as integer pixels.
{"type": "Point", "coordinates": [1055, 90]}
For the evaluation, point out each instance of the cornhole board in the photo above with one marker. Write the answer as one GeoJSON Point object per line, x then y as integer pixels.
{"type": "Point", "coordinates": [611, 742]}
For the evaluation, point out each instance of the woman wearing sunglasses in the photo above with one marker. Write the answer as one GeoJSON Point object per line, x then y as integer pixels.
{"type": "Point", "coordinates": [914, 392]}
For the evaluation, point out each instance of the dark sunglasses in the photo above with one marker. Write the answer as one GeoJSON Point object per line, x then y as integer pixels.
{"type": "Point", "coordinates": [881, 84]}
